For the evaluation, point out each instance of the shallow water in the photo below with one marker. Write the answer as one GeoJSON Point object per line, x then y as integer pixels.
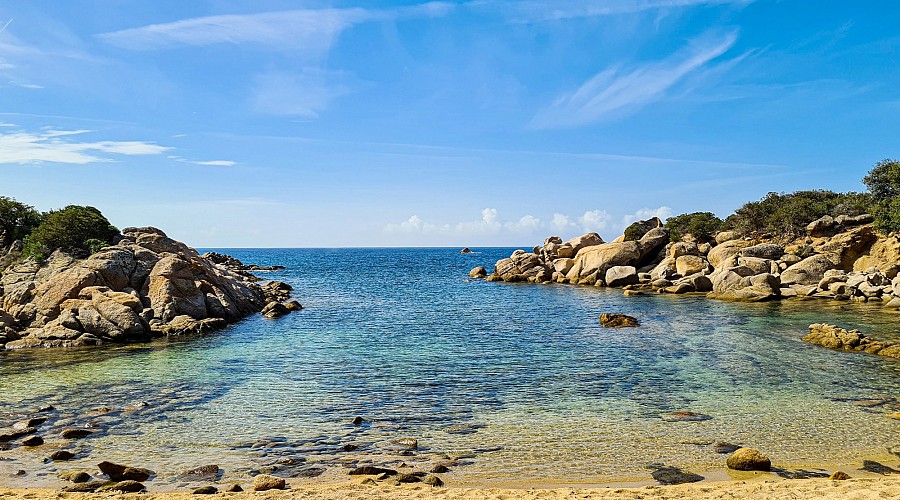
{"type": "Point", "coordinates": [518, 381]}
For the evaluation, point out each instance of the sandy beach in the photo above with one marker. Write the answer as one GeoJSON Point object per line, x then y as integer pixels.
{"type": "Point", "coordinates": [754, 489]}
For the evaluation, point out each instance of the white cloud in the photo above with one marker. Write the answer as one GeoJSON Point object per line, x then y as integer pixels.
{"type": "Point", "coordinates": [303, 94]}
{"type": "Point", "coordinates": [595, 220]}
{"type": "Point", "coordinates": [490, 224]}
{"type": "Point", "coordinates": [211, 163]}
{"type": "Point", "coordinates": [57, 146]}
{"type": "Point", "coordinates": [619, 90]}
{"type": "Point", "coordinates": [647, 213]}
{"type": "Point", "coordinates": [526, 224]}
{"type": "Point", "coordinates": [541, 10]}
{"type": "Point", "coordinates": [561, 223]}
{"type": "Point", "coordinates": [312, 30]}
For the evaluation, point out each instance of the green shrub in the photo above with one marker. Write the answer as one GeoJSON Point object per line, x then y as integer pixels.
{"type": "Point", "coordinates": [701, 225]}
{"type": "Point", "coordinates": [883, 182]}
{"type": "Point", "coordinates": [17, 220]}
{"type": "Point", "coordinates": [786, 215]}
{"type": "Point", "coordinates": [74, 229]}
{"type": "Point", "coordinates": [633, 232]}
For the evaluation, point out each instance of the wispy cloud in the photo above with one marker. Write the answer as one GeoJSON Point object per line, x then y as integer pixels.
{"type": "Point", "coordinates": [303, 94]}
{"type": "Point", "coordinates": [313, 30]}
{"type": "Point", "coordinates": [59, 146]}
{"type": "Point", "coordinates": [620, 90]}
{"type": "Point", "coordinates": [537, 10]}
{"type": "Point", "coordinates": [209, 163]}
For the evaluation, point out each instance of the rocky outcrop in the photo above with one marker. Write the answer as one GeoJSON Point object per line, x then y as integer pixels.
{"type": "Point", "coordinates": [842, 258]}
{"type": "Point", "coordinates": [833, 337]}
{"type": "Point", "coordinates": [147, 285]}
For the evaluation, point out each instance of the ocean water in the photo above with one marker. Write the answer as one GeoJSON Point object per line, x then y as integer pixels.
{"type": "Point", "coordinates": [516, 382]}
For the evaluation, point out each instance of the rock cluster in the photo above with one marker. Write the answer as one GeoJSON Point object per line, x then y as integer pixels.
{"type": "Point", "coordinates": [146, 285]}
{"type": "Point", "coordinates": [840, 258]}
{"type": "Point", "coordinates": [834, 337]}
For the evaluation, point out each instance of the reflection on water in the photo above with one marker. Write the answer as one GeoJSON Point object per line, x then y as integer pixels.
{"type": "Point", "coordinates": [506, 381]}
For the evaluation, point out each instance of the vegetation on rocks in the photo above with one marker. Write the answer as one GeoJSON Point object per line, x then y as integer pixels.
{"type": "Point", "coordinates": [77, 230]}
{"type": "Point", "coordinates": [701, 225]}
{"type": "Point", "coordinates": [17, 220]}
{"type": "Point", "coordinates": [883, 183]}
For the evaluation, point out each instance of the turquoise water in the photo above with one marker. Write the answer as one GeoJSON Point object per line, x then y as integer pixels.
{"type": "Point", "coordinates": [519, 382]}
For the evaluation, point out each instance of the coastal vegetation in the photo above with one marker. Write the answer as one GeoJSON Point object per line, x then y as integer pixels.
{"type": "Point", "coordinates": [77, 230]}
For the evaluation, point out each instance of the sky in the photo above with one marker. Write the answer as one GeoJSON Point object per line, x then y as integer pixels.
{"type": "Point", "coordinates": [474, 123]}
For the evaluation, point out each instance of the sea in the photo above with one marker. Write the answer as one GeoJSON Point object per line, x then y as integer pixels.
{"type": "Point", "coordinates": [507, 383]}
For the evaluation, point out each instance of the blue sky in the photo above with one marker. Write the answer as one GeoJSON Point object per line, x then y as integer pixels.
{"type": "Point", "coordinates": [477, 123]}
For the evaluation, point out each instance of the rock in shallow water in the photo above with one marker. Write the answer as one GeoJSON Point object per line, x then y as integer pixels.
{"type": "Point", "coordinates": [748, 459]}
{"type": "Point", "coordinates": [205, 490]}
{"type": "Point", "coordinates": [75, 476]}
{"type": "Point", "coordinates": [674, 475]}
{"type": "Point", "coordinates": [614, 320]}
{"type": "Point", "coordinates": [119, 472]}
{"type": "Point", "coordinates": [685, 416]}
{"type": "Point", "coordinates": [127, 486]}
{"type": "Point", "coordinates": [878, 468]}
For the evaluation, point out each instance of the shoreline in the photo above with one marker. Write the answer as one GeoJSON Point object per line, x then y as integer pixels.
{"type": "Point", "coordinates": [761, 488]}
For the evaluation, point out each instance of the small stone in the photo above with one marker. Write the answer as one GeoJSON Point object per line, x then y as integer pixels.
{"type": "Point", "coordinates": [75, 433]}
{"type": "Point", "coordinates": [45, 409]}
{"type": "Point", "coordinates": [265, 482]}
{"type": "Point", "coordinates": [234, 488]}
{"type": "Point", "coordinates": [203, 473]}
{"type": "Point", "coordinates": [205, 490]}
{"type": "Point", "coordinates": [61, 455]}
{"type": "Point", "coordinates": [748, 459]}
{"type": "Point", "coordinates": [368, 480]}
{"type": "Point", "coordinates": [433, 481]}
{"type": "Point", "coordinates": [407, 442]}
{"type": "Point", "coordinates": [408, 478]}
{"type": "Point", "coordinates": [118, 472]}
{"type": "Point", "coordinates": [75, 476]}
{"type": "Point", "coordinates": [370, 470]}
{"type": "Point", "coordinates": [357, 421]}
{"type": "Point", "coordinates": [20, 472]}
{"type": "Point", "coordinates": [33, 441]}
{"type": "Point", "coordinates": [123, 486]}
{"type": "Point", "coordinates": [439, 469]}
{"type": "Point", "coordinates": [839, 476]}
{"type": "Point", "coordinates": [674, 475]}
{"type": "Point", "coordinates": [350, 447]}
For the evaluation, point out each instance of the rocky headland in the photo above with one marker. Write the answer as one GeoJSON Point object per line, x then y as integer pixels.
{"type": "Point", "coordinates": [146, 285]}
{"type": "Point", "coordinates": [840, 258]}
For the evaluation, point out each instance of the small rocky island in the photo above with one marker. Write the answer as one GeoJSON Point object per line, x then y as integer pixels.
{"type": "Point", "coordinates": [144, 286]}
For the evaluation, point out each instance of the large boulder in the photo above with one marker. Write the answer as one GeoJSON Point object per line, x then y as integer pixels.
{"type": "Point", "coordinates": [725, 254]}
{"type": "Point", "coordinates": [768, 251]}
{"type": "Point", "coordinates": [687, 265]}
{"type": "Point", "coordinates": [823, 226]}
{"type": "Point", "coordinates": [884, 254]}
{"type": "Point", "coordinates": [522, 266]}
{"type": "Point", "coordinates": [810, 270]}
{"type": "Point", "coordinates": [596, 260]}
{"type": "Point", "coordinates": [584, 241]}
{"type": "Point", "coordinates": [621, 276]}
{"type": "Point", "coordinates": [848, 246]}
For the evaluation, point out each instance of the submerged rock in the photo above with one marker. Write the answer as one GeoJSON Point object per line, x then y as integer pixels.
{"type": "Point", "coordinates": [878, 468]}
{"type": "Point", "coordinates": [685, 416]}
{"type": "Point", "coordinates": [674, 475]}
{"type": "Point", "coordinates": [834, 337]}
{"type": "Point", "coordinates": [748, 459]}
{"type": "Point", "coordinates": [615, 320]}
{"type": "Point", "coordinates": [371, 470]}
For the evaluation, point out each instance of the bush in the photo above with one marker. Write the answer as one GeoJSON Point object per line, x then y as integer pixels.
{"type": "Point", "coordinates": [883, 182]}
{"type": "Point", "coordinates": [787, 214]}
{"type": "Point", "coordinates": [75, 229]}
{"type": "Point", "coordinates": [701, 225]}
{"type": "Point", "coordinates": [17, 220]}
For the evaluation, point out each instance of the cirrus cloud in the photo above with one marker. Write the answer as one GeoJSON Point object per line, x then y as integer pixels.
{"type": "Point", "coordinates": [60, 146]}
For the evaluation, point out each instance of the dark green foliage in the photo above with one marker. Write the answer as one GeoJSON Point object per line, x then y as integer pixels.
{"type": "Point", "coordinates": [701, 225]}
{"type": "Point", "coordinates": [17, 220]}
{"type": "Point", "coordinates": [74, 229]}
{"type": "Point", "coordinates": [786, 215]}
{"type": "Point", "coordinates": [633, 232]}
{"type": "Point", "coordinates": [883, 182]}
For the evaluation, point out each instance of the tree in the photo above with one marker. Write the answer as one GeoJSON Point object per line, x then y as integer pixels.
{"type": "Point", "coordinates": [17, 220]}
{"type": "Point", "coordinates": [786, 215]}
{"type": "Point", "coordinates": [72, 230]}
{"type": "Point", "coordinates": [883, 182]}
{"type": "Point", "coordinates": [701, 225]}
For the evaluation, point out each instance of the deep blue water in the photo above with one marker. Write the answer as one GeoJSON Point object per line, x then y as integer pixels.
{"type": "Point", "coordinates": [518, 380]}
